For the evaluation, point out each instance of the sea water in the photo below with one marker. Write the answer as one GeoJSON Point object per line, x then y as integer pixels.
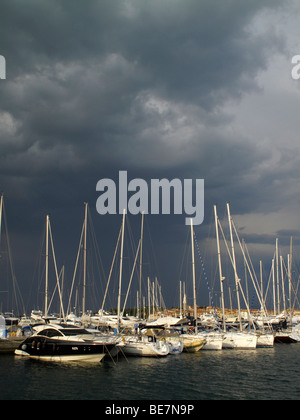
{"type": "Point", "coordinates": [261, 374]}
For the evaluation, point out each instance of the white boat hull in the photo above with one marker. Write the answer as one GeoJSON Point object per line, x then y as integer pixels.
{"type": "Point", "coordinates": [265, 340]}
{"type": "Point", "coordinates": [213, 341]}
{"type": "Point", "coordinates": [239, 341]}
{"type": "Point", "coordinates": [134, 346]}
{"type": "Point", "coordinates": [175, 347]}
{"type": "Point", "coordinates": [92, 358]}
{"type": "Point", "coordinates": [295, 335]}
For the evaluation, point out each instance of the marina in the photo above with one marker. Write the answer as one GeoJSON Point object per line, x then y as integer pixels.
{"type": "Point", "coordinates": [149, 203]}
{"type": "Point", "coordinates": [168, 338]}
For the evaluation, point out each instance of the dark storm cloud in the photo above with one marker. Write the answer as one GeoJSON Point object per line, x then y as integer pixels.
{"type": "Point", "coordinates": [83, 76]}
{"type": "Point", "coordinates": [95, 87]}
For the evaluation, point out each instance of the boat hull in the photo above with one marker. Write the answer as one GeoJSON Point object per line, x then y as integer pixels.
{"type": "Point", "coordinates": [140, 348]}
{"type": "Point", "coordinates": [284, 338]}
{"type": "Point", "coordinates": [9, 345]}
{"type": "Point", "coordinates": [295, 335]}
{"type": "Point", "coordinates": [192, 344]}
{"type": "Point", "coordinates": [265, 340]}
{"type": "Point", "coordinates": [239, 341]}
{"type": "Point", "coordinates": [175, 347]}
{"type": "Point", "coordinates": [213, 342]}
{"type": "Point", "coordinates": [87, 358]}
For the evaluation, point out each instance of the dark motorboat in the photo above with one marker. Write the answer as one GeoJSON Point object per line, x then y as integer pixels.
{"type": "Point", "coordinates": [65, 343]}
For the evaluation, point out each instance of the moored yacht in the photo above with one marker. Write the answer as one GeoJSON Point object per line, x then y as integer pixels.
{"type": "Point", "coordinates": [65, 343]}
{"type": "Point", "coordinates": [145, 346]}
{"type": "Point", "coordinates": [171, 337]}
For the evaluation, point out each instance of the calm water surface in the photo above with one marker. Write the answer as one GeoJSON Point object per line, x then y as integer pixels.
{"type": "Point", "coordinates": [235, 375]}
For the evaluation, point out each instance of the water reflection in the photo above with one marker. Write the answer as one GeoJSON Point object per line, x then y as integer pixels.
{"type": "Point", "coordinates": [256, 374]}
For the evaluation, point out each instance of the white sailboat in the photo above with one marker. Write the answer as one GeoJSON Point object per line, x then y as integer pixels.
{"type": "Point", "coordinates": [169, 335]}
{"type": "Point", "coordinates": [49, 248]}
{"type": "Point", "coordinates": [232, 339]}
{"type": "Point", "coordinates": [193, 342]}
{"type": "Point", "coordinates": [145, 346]}
{"type": "Point", "coordinates": [136, 344]}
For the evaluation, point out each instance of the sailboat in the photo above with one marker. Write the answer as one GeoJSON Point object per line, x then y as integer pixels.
{"type": "Point", "coordinates": [9, 339]}
{"type": "Point", "coordinates": [193, 342]}
{"type": "Point", "coordinates": [49, 246]}
{"type": "Point", "coordinates": [232, 339]}
{"type": "Point", "coordinates": [134, 344]}
{"type": "Point", "coordinates": [146, 345]}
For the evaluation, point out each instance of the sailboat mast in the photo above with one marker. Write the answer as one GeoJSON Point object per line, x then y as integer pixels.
{"type": "Point", "coordinates": [261, 285]}
{"type": "Point", "coordinates": [149, 303]}
{"type": "Point", "coordinates": [277, 276]}
{"type": "Point", "coordinates": [274, 290]}
{"type": "Point", "coordinates": [220, 268]}
{"type": "Point", "coordinates": [237, 280]}
{"type": "Point", "coordinates": [47, 266]}
{"type": "Point", "coordinates": [84, 259]}
{"type": "Point", "coordinates": [194, 274]}
{"type": "Point", "coordinates": [121, 270]}
{"type": "Point", "coordinates": [141, 266]}
{"type": "Point", "coordinates": [1, 206]}
{"type": "Point", "coordinates": [184, 299]}
{"type": "Point", "coordinates": [290, 277]}
{"type": "Point", "coordinates": [282, 282]}
{"type": "Point", "coordinates": [180, 299]}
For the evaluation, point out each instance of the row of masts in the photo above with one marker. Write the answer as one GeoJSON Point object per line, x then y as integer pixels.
{"type": "Point", "coordinates": [278, 267]}
{"type": "Point", "coordinates": [258, 286]}
{"type": "Point", "coordinates": [16, 297]}
{"type": "Point", "coordinates": [154, 289]}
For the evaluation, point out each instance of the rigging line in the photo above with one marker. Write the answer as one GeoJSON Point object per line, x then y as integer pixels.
{"type": "Point", "coordinates": [111, 271]}
{"type": "Point", "coordinates": [206, 279]}
{"type": "Point", "coordinates": [99, 260]}
{"type": "Point", "coordinates": [152, 255]}
{"type": "Point", "coordinates": [11, 264]}
{"type": "Point", "coordinates": [75, 271]}
{"type": "Point", "coordinates": [181, 275]}
{"type": "Point", "coordinates": [56, 272]}
{"type": "Point", "coordinates": [132, 274]}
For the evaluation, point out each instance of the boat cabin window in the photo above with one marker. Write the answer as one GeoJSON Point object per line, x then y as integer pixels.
{"type": "Point", "coordinates": [75, 331]}
{"type": "Point", "coordinates": [50, 333]}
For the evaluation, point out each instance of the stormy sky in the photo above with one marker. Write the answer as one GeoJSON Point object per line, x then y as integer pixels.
{"type": "Point", "coordinates": [189, 89]}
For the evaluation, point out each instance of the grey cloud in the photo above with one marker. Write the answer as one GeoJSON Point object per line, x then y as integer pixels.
{"type": "Point", "coordinates": [94, 87]}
